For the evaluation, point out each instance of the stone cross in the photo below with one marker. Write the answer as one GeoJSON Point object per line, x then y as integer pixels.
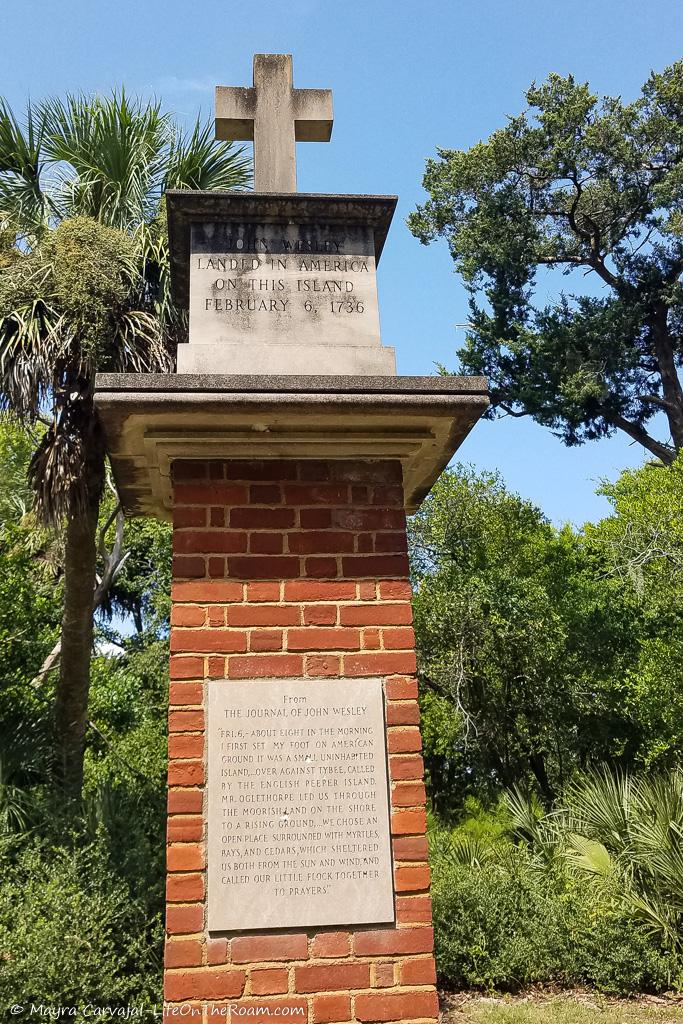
{"type": "Point", "coordinates": [276, 116]}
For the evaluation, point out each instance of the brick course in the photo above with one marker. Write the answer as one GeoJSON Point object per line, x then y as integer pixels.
{"type": "Point", "coordinates": [295, 569]}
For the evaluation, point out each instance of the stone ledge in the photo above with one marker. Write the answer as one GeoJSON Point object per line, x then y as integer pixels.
{"type": "Point", "coordinates": [205, 383]}
{"type": "Point", "coordinates": [150, 420]}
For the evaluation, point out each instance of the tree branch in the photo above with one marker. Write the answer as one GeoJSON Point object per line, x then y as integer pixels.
{"type": "Point", "coordinates": [655, 400]}
{"type": "Point", "coordinates": [664, 452]}
{"type": "Point", "coordinates": [595, 260]}
{"type": "Point", "coordinates": [113, 560]}
{"type": "Point", "coordinates": [597, 264]}
{"type": "Point", "coordinates": [50, 662]}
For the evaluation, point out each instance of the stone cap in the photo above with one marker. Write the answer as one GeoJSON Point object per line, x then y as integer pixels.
{"type": "Point", "coordinates": [219, 383]}
{"type": "Point", "coordinates": [186, 206]}
{"type": "Point", "coordinates": [150, 420]}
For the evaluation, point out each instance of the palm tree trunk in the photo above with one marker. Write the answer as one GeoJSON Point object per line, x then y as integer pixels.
{"type": "Point", "coordinates": [80, 564]}
{"type": "Point", "coordinates": [71, 703]}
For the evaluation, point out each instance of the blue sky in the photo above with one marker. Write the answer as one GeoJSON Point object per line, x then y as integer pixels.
{"type": "Point", "coordinates": [406, 76]}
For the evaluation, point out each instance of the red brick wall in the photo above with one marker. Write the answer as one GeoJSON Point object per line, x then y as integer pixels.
{"type": "Point", "coordinates": [294, 569]}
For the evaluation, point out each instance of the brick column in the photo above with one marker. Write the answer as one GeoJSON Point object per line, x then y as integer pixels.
{"type": "Point", "coordinates": [294, 569]}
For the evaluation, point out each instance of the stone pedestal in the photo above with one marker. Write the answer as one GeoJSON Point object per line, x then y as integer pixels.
{"type": "Point", "coordinates": [279, 283]}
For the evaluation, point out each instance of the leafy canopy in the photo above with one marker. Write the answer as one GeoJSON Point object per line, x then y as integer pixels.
{"type": "Point", "coordinates": [641, 548]}
{"type": "Point", "coordinates": [517, 634]}
{"type": "Point", "coordinates": [593, 187]}
{"type": "Point", "coordinates": [544, 650]}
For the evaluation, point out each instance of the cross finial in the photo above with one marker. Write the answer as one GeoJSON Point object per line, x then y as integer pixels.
{"type": "Point", "coordinates": [276, 116]}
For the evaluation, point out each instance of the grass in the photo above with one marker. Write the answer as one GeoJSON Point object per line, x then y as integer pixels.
{"type": "Point", "coordinates": [567, 1009]}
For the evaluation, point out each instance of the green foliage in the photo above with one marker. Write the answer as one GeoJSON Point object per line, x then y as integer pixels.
{"type": "Point", "coordinates": [641, 547]}
{"type": "Point", "coordinates": [495, 929]}
{"type": "Point", "coordinates": [30, 606]}
{"type": "Point", "coordinates": [129, 701]}
{"type": "Point", "coordinates": [626, 836]}
{"type": "Point", "coordinates": [142, 587]}
{"type": "Point", "coordinates": [589, 186]}
{"type": "Point", "coordinates": [91, 269]}
{"type": "Point", "coordinates": [15, 453]}
{"type": "Point", "coordinates": [521, 636]}
{"type": "Point", "coordinates": [81, 898]}
{"type": "Point", "coordinates": [74, 929]}
{"type": "Point", "coordinates": [506, 920]}
{"type": "Point", "coordinates": [643, 539]}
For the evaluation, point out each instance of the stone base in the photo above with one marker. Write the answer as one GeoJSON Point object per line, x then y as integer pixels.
{"type": "Point", "coordinates": [259, 357]}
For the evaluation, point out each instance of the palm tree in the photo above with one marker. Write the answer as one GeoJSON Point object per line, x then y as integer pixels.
{"type": "Point", "coordinates": [84, 287]}
{"type": "Point", "coordinates": [624, 833]}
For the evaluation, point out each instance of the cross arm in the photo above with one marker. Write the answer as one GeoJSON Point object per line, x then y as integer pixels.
{"type": "Point", "coordinates": [235, 113]}
{"type": "Point", "coordinates": [312, 115]}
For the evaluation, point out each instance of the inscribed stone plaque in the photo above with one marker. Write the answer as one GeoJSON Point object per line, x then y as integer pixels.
{"type": "Point", "coordinates": [298, 809]}
{"type": "Point", "coordinates": [283, 284]}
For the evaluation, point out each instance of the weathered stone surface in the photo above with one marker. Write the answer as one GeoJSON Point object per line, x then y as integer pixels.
{"type": "Point", "coordinates": [286, 285]}
{"type": "Point", "coordinates": [188, 207]}
{"type": "Point", "coordinates": [283, 299]}
{"type": "Point", "coordinates": [298, 815]}
{"type": "Point", "coordinates": [304, 384]}
{"type": "Point", "coordinates": [291, 358]}
{"type": "Point", "coordinates": [276, 116]}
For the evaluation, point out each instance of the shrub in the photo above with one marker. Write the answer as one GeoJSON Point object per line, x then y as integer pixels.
{"type": "Point", "coordinates": [497, 928]}
{"type": "Point", "coordinates": [616, 956]}
{"type": "Point", "coordinates": [73, 931]}
{"type": "Point", "coordinates": [509, 921]}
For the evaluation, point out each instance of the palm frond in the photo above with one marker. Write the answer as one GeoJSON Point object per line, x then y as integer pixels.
{"type": "Point", "coordinates": [22, 201]}
{"type": "Point", "coordinates": [32, 346]}
{"type": "Point", "coordinates": [152, 245]}
{"type": "Point", "coordinates": [657, 916]}
{"type": "Point", "coordinates": [15, 806]}
{"type": "Point", "coordinates": [58, 468]}
{"type": "Point", "coordinates": [600, 807]}
{"type": "Point", "coordinates": [657, 833]}
{"type": "Point", "coordinates": [110, 153]}
{"type": "Point", "coordinates": [196, 161]}
{"type": "Point", "coordinates": [589, 855]}
{"type": "Point", "coordinates": [470, 851]}
{"type": "Point", "coordinates": [526, 814]}
{"type": "Point", "coordinates": [141, 345]}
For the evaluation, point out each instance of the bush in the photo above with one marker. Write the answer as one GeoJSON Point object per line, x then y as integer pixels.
{"type": "Point", "coordinates": [512, 921]}
{"type": "Point", "coordinates": [73, 931]}
{"type": "Point", "coordinates": [82, 886]}
{"type": "Point", "coordinates": [495, 928]}
{"type": "Point", "coordinates": [616, 956]}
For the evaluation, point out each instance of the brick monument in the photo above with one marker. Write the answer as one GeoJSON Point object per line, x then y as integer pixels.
{"type": "Point", "coordinates": [286, 452]}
